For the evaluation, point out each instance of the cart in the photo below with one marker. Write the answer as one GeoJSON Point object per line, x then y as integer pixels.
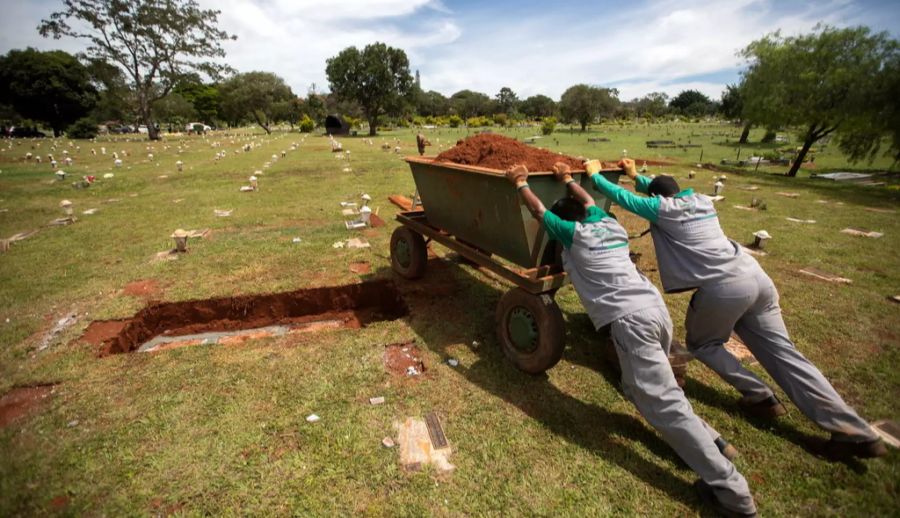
{"type": "Point", "coordinates": [477, 213]}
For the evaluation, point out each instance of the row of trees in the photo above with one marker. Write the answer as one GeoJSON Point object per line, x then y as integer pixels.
{"type": "Point", "coordinates": [145, 60]}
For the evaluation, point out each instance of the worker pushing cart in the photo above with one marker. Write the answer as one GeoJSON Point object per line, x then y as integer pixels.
{"type": "Point", "coordinates": [733, 293]}
{"type": "Point", "coordinates": [614, 293]}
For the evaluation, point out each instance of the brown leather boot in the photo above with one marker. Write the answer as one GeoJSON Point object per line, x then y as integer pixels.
{"type": "Point", "coordinates": [841, 450]}
{"type": "Point", "coordinates": [769, 408]}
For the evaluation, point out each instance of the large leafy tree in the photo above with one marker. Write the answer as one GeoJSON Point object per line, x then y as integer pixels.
{"type": "Point", "coordinates": [115, 101]}
{"type": "Point", "coordinates": [51, 87]}
{"type": "Point", "coordinates": [204, 97]}
{"type": "Point", "coordinates": [732, 107]}
{"type": "Point", "coordinates": [507, 100]}
{"type": "Point", "coordinates": [538, 106]}
{"type": "Point", "coordinates": [583, 103]}
{"type": "Point", "coordinates": [377, 78]}
{"type": "Point", "coordinates": [467, 103]}
{"type": "Point", "coordinates": [654, 104]}
{"type": "Point", "coordinates": [693, 103]}
{"type": "Point", "coordinates": [257, 96]}
{"type": "Point", "coordinates": [432, 103]}
{"type": "Point", "coordinates": [831, 81]}
{"type": "Point", "coordinates": [155, 42]}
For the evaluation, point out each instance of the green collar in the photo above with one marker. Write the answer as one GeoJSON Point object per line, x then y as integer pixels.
{"type": "Point", "coordinates": [686, 192]}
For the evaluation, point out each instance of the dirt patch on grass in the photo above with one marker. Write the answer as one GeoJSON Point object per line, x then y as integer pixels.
{"type": "Point", "coordinates": [499, 152]}
{"type": "Point", "coordinates": [22, 401]}
{"type": "Point", "coordinates": [148, 289]}
{"type": "Point", "coordinates": [404, 359]}
{"type": "Point", "coordinates": [361, 267]}
{"type": "Point", "coordinates": [356, 303]}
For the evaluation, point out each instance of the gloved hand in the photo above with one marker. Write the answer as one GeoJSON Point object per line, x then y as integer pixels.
{"type": "Point", "coordinates": [562, 172]}
{"type": "Point", "coordinates": [517, 174]}
{"type": "Point", "coordinates": [628, 165]}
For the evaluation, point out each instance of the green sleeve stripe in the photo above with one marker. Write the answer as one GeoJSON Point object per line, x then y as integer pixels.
{"type": "Point", "coordinates": [559, 229]}
{"type": "Point", "coordinates": [642, 184]}
{"type": "Point", "coordinates": [647, 208]}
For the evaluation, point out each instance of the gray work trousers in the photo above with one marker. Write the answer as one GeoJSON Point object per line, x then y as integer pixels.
{"type": "Point", "coordinates": [748, 305]}
{"type": "Point", "coordinates": [642, 342]}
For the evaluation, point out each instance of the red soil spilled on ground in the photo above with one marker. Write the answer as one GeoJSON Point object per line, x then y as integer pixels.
{"type": "Point", "coordinates": [22, 401]}
{"type": "Point", "coordinates": [499, 152]}
{"type": "Point", "coordinates": [361, 267]}
{"type": "Point", "coordinates": [148, 289]}
{"type": "Point", "coordinates": [354, 305]}
{"type": "Point", "coordinates": [398, 358]}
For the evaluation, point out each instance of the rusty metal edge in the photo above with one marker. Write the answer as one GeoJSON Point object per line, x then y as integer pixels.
{"type": "Point", "coordinates": [416, 220]}
{"type": "Point", "coordinates": [482, 170]}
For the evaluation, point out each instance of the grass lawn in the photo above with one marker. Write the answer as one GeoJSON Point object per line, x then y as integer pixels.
{"type": "Point", "coordinates": [221, 430]}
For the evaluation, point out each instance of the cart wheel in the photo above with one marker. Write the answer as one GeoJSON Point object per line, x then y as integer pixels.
{"type": "Point", "coordinates": [408, 253]}
{"type": "Point", "coordinates": [530, 329]}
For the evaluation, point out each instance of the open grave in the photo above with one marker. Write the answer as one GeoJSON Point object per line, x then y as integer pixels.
{"type": "Point", "coordinates": [229, 320]}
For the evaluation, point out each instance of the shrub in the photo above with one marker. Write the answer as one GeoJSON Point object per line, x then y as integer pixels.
{"type": "Point", "coordinates": [454, 121]}
{"type": "Point", "coordinates": [307, 124]}
{"type": "Point", "coordinates": [82, 128]}
{"type": "Point", "coordinates": [548, 126]}
{"type": "Point", "coordinates": [501, 119]}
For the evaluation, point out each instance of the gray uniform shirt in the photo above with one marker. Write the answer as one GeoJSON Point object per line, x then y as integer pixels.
{"type": "Point", "coordinates": [595, 257]}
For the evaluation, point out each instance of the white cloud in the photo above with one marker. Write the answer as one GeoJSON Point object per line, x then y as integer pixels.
{"type": "Point", "coordinates": [658, 45]}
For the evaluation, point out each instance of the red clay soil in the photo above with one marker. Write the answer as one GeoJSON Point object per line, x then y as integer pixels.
{"type": "Point", "coordinates": [499, 152]}
{"type": "Point", "coordinates": [22, 401]}
{"type": "Point", "coordinates": [368, 301]}
{"type": "Point", "coordinates": [146, 288]}
{"type": "Point", "coordinates": [399, 357]}
{"type": "Point", "coordinates": [360, 267]}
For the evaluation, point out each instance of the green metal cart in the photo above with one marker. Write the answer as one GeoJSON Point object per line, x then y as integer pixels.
{"type": "Point", "coordinates": [477, 213]}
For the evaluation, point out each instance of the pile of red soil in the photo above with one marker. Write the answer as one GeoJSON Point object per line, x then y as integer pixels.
{"type": "Point", "coordinates": [498, 152]}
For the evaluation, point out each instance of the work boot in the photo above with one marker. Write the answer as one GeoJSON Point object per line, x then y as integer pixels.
{"type": "Point", "coordinates": [727, 450]}
{"type": "Point", "coordinates": [709, 498]}
{"type": "Point", "coordinates": [768, 408]}
{"type": "Point", "coordinates": [833, 449]}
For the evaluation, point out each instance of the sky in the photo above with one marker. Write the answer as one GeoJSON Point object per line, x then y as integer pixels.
{"type": "Point", "coordinates": [531, 46]}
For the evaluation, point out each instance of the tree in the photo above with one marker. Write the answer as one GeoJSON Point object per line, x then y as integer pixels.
{"type": "Point", "coordinates": [692, 103]}
{"type": "Point", "coordinates": [203, 97]}
{"type": "Point", "coordinates": [377, 78]}
{"type": "Point", "coordinates": [507, 101]}
{"type": "Point", "coordinates": [174, 109]}
{"type": "Point", "coordinates": [828, 81]}
{"type": "Point", "coordinates": [115, 101]}
{"type": "Point", "coordinates": [583, 103]}
{"type": "Point", "coordinates": [538, 106]}
{"type": "Point", "coordinates": [732, 107]}
{"type": "Point", "coordinates": [432, 103]}
{"type": "Point", "coordinates": [156, 42]}
{"type": "Point", "coordinates": [467, 103]}
{"type": "Point", "coordinates": [255, 95]}
{"type": "Point", "coordinates": [51, 87]}
{"type": "Point", "coordinates": [315, 105]}
{"type": "Point", "coordinates": [654, 104]}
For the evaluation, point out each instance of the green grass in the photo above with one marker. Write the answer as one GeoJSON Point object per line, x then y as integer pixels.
{"type": "Point", "coordinates": [222, 430]}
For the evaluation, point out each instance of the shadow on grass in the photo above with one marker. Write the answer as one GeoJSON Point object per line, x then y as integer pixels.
{"type": "Point", "coordinates": [450, 304]}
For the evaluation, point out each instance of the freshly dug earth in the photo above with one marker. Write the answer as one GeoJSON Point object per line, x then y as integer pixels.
{"type": "Point", "coordinates": [22, 401]}
{"type": "Point", "coordinates": [498, 152]}
{"type": "Point", "coordinates": [368, 302]}
{"type": "Point", "coordinates": [400, 357]}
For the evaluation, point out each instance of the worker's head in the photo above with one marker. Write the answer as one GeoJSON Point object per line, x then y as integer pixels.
{"type": "Point", "coordinates": [663, 186]}
{"type": "Point", "coordinates": [568, 209]}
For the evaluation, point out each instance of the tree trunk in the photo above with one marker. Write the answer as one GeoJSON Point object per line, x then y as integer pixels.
{"type": "Point", "coordinates": [373, 125]}
{"type": "Point", "coordinates": [745, 134]}
{"type": "Point", "coordinates": [807, 143]}
{"type": "Point", "coordinates": [583, 126]}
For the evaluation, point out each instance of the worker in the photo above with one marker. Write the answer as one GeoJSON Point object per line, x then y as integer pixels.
{"type": "Point", "coordinates": [596, 259]}
{"type": "Point", "coordinates": [733, 293]}
{"type": "Point", "coordinates": [421, 142]}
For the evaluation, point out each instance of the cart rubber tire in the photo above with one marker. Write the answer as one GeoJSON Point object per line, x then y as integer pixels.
{"type": "Point", "coordinates": [531, 330]}
{"type": "Point", "coordinates": [408, 253]}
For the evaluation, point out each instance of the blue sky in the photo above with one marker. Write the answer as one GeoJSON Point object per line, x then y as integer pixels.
{"type": "Point", "coordinates": [530, 46]}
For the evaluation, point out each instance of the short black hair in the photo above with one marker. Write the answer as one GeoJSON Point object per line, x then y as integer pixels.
{"type": "Point", "coordinates": [569, 209]}
{"type": "Point", "coordinates": [663, 185]}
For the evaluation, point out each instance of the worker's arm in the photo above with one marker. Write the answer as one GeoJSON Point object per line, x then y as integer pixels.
{"type": "Point", "coordinates": [557, 228]}
{"type": "Point", "coordinates": [647, 208]}
{"type": "Point", "coordinates": [641, 183]}
{"type": "Point", "coordinates": [563, 173]}
{"type": "Point", "coordinates": [518, 175]}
